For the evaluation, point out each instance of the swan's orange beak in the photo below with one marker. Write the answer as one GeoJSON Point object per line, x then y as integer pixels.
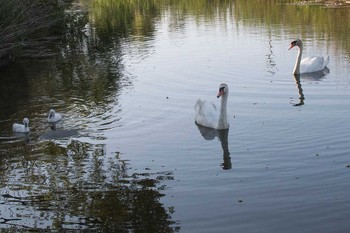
{"type": "Point", "coordinates": [291, 46]}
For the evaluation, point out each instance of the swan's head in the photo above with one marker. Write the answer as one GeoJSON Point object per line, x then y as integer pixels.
{"type": "Point", "coordinates": [26, 122]}
{"type": "Point", "coordinates": [223, 89]}
{"type": "Point", "coordinates": [51, 113]}
{"type": "Point", "coordinates": [296, 42]}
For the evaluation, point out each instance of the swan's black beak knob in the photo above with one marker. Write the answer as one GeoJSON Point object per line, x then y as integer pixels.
{"type": "Point", "coordinates": [221, 92]}
{"type": "Point", "coordinates": [294, 43]}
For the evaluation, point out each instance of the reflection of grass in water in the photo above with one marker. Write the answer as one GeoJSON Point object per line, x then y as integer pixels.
{"type": "Point", "coordinates": [87, 190]}
{"type": "Point", "coordinates": [137, 18]}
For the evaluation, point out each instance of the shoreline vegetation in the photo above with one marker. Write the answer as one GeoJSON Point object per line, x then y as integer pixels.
{"type": "Point", "coordinates": [28, 27]}
{"type": "Point", "coordinates": [327, 3]}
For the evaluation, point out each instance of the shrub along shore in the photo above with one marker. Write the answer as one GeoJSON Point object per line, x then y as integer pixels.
{"type": "Point", "coordinates": [28, 23]}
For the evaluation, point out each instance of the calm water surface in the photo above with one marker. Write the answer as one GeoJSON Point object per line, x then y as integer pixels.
{"type": "Point", "coordinates": [129, 157]}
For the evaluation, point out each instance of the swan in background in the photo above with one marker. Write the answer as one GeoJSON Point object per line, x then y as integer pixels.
{"type": "Point", "coordinates": [209, 115]}
{"type": "Point", "coordinates": [53, 116]}
{"type": "Point", "coordinates": [21, 128]}
{"type": "Point", "coordinates": [308, 64]}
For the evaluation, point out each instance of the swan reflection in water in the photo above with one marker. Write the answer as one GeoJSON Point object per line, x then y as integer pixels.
{"type": "Point", "coordinates": [315, 76]}
{"type": "Point", "coordinates": [56, 133]}
{"type": "Point", "coordinates": [222, 135]}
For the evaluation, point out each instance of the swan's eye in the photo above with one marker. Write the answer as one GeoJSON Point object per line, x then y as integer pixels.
{"type": "Point", "coordinates": [222, 89]}
{"type": "Point", "coordinates": [294, 43]}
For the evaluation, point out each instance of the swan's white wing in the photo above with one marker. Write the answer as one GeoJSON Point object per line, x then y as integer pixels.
{"type": "Point", "coordinates": [313, 64]}
{"type": "Point", "coordinates": [19, 128]}
{"type": "Point", "coordinates": [207, 114]}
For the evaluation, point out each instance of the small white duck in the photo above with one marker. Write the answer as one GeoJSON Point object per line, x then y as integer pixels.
{"type": "Point", "coordinates": [21, 128]}
{"type": "Point", "coordinates": [53, 116]}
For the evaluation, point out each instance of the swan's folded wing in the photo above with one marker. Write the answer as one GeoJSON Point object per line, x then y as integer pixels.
{"type": "Point", "coordinates": [206, 114]}
{"type": "Point", "coordinates": [312, 64]}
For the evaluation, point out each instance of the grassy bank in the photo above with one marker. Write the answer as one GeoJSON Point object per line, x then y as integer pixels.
{"type": "Point", "coordinates": [27, 23]}
{"type": "Point", "coordinates": [328, 3]}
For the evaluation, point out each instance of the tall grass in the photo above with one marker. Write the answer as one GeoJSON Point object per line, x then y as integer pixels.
{"type": "Point", "coordinates": [25, 22]}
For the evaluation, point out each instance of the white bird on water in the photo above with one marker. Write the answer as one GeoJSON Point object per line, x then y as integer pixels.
{"type": "Point", "coordinates": [308, 64]}
{"type": "Point", "coordinates": [209, 115]}
{"type": "Point", "coordinates": [53, 116]}
{"type": "Point", "coordinates": [21, 128]}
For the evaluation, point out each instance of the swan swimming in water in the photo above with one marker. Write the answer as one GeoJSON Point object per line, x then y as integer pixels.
{"type": "Point", "coordinates": [209, 115]}
{"type": "Point", "coordinates": [53, 116]}
{"type": "Point", "coordinates": [21, 128]}
{"type": "Point", "coordinates": [308, 64]}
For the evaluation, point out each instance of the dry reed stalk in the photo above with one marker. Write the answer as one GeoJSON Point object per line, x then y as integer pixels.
{"type": "Point", "coordinates": [24, 22]}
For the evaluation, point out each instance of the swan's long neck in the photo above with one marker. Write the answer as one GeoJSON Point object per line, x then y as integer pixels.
{"type": "Point", "coordinates": [297, 63]}
{"type": "Point", "coordinates": [222, 124]}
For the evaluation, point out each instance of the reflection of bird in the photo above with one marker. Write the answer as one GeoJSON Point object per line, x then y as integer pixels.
{"type": "Point", "coordinates": [21, 128]}
{"type": "Point", "coordinates": [59, 134]}
{"type": "Point", "coordinates": [300, 90]}
{"type": "Point", "coordinates": [315, 76]}
{"type": "Point", "coordinates": [210, 134]}
{"type": "Point", "coordinates": [308, 64]}
{"type": "Point", "coordinates": [53, 116]}
{"type": "Point", "coordinates": [208, 115]}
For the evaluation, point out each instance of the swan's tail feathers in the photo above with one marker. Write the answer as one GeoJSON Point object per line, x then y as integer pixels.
{"type": "Point", "coordinates": [198, 105]}
{"type": "Point", "coordinates": [326, 61]}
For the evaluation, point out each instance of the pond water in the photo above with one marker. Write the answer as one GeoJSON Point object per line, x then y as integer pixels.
{"type": "Point", "coordinates": [128, 156]}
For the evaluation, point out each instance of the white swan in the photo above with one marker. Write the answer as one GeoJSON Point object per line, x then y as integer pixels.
{"type": "Point", "coordinates": [308, 64]}
{"type": "Point", "coordinates": [21, 128]}
{"type": "Point", "coordinates": [53, 116]}
{"type": "Point", "coordinates": [208, 115]}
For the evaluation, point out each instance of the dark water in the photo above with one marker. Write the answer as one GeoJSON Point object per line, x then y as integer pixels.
{"type": "Point", "coordinates": [127, 155]}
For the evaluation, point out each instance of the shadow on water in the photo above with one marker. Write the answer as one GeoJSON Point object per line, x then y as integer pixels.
{"type": "Point", "coordinates": [315, 76]}
{"type": "Point", "coordinates": [222, 135]}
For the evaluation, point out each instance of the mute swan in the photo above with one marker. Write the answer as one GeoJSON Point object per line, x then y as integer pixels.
{"type": "Point", "coordinates": [208, 115]}
{"type": "Point", "coordinates": [53, 116]}
{"type": "Point", "coordinates": [21, 128]}
{"type": "Point", "coordinates": [308, 64]}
